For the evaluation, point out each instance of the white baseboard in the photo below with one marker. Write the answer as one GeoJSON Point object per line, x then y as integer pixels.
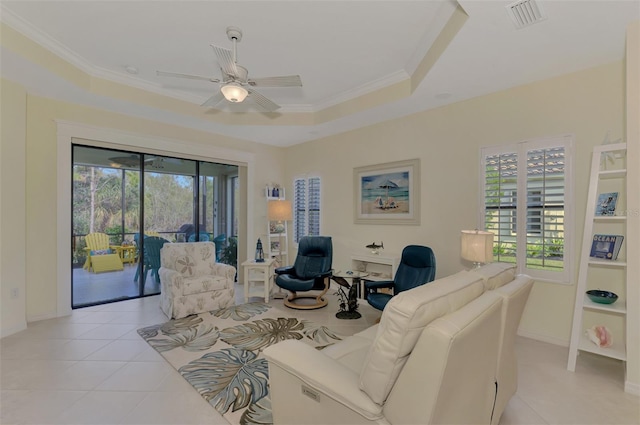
{"type": "Point", "coordinates": [40, 317]}
{"type": "Point", "coordinates": [632, 388]}
{"type": "Point", "coordinates": [543, 338]}
{"type": "Point", "coordinates": [12, 330]}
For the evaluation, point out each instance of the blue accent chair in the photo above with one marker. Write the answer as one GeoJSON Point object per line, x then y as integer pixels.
{"type": "Point", "coordinates": [219, 242]}
{"type": "Point", "coordinates": [417, 267]}
{"type": "Point", "coordinates": [311, 271]}
{"type": "Point", "coordinates": [151, 257]}
{"type": "Point", "coordinates": [203, 237]}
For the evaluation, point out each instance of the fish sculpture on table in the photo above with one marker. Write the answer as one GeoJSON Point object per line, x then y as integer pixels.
{"type": "Point", "coordinates": [375, 248]}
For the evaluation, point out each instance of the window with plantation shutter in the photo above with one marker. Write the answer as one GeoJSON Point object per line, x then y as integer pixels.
{"type": "Point", "coordinates": [526, 201]}
{"type": "Point", "coordinates": [306, 201]}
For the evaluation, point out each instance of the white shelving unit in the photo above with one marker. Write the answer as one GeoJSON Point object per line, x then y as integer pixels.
{"type": "Point", "coordinates": [378, 267]}
{"type": "Point", "coordinates": [274, 238]}
{"type": "Point", "coordinates": [601, 273]}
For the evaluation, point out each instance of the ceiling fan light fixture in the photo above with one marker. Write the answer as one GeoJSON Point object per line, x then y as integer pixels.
{"type": "Point", "coordinates": [234, 92]}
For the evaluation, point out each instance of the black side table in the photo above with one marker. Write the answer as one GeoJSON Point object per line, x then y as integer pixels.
{"type": "Point", "coordinates": [348, 303]}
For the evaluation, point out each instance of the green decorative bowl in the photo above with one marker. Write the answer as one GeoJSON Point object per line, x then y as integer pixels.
{"type": "Point", "coordinates": [602, 297]}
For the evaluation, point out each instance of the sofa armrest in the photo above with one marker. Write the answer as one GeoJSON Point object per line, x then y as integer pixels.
{"type": "Point", "coordinates": [328, 273]}
{"type": "Point", "coordinates": [320, 373]}
{"type": "Point", "coordinates": [372, 284]}
{"type": "Point", "coordinates": [226, 270]}
{"type": "Point", "coordinates": [285, 270]}
{"type": "Point", "coordinates": [171, 281]}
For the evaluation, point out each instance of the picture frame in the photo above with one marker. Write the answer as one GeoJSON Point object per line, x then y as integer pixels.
{"type": "Point", "coordinates": [387, 193]}
{"type": "Point", "coordinates": [274, 246]}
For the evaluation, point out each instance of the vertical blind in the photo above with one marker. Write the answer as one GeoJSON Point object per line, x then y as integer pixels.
{"type": "Point", "coordinates": [306, 200]}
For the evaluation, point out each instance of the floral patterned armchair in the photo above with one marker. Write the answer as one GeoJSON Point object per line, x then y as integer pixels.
{"type": "Point", "coordinates": [191, 280]}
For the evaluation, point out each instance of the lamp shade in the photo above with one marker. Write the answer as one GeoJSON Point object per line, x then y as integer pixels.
{"type": "Point", "coordinates": [279, 210]}
{"type": "Point", "coordinates": [234, 92]}
{"type": "Point", "coordinates": [477, 246]}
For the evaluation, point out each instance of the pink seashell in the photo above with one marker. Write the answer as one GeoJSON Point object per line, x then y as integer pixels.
{"type": "Point", "coordinates": [600, 336]}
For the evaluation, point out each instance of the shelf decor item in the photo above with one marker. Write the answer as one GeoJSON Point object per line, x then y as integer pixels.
{"type": "Point", "coordinates": [259, 252]}
{"type": "Point", "coordinates": [606, 246]}
{"type": "Point", "coordinates": [600, 336]}
{"type": "Point", "coordinates": [602, 297]}
{"type": "Point", "coordinates": [606, 204]}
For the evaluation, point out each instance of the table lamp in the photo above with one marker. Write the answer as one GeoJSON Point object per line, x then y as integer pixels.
{"type": "Point", "coordinates": [477, 247]}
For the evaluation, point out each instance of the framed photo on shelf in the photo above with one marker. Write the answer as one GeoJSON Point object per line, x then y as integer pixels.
{"type": "Point", "coordinates": [606, 246]}
{"type": "Point", "coordinates": [387, 193]}
{"type": "Point", "coordinates": [275, 246]}
{"type": "Point", "coordinates": [606, 204]}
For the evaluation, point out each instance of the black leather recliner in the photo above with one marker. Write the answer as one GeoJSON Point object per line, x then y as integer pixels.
{"type": "Point", "coordinates": [311, 271]}
{"type": "Point", "coordinates": [417, 267]}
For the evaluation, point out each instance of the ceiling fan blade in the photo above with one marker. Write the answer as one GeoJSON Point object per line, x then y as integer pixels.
{"type": "Point", "coordinates": [262, 101]}
{"type": "Point", "coordinates": [192, 77]}
{"type": "Point", "coordinates": [214, 100]}
{"type": "Point", "coordinates": [283, 81]}
{"type": "Point", "coordinates": [225, 60]}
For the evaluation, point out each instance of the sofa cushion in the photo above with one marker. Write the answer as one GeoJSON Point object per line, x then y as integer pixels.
{"type": "Point", "coordinates": [185, 265]}
{"type": "Point", "coordinates": [496, 274]}
{"type": "Point", "coordinates": [197, 285]}
{"type": "Point", "coordinates": [191, 259]}
{"type": "Point", "coordinates": [403, 320]}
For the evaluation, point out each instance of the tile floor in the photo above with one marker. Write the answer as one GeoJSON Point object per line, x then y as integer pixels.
{"type": "Point", "coordinates": [93, 368]}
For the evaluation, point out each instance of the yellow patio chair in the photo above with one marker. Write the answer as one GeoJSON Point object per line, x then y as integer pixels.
{"type": "Point", "coordinates": [100, 256]}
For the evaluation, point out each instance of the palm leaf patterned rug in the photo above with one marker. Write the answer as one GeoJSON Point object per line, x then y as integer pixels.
{"type": "Point", "coordinates": [220, 354]}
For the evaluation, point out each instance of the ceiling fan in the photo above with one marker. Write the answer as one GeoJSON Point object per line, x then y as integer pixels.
{"type": "Point", "coordinates": [235, 84]}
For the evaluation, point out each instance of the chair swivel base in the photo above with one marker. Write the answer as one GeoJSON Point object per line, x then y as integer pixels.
{"type": "Point", "coordinates": [320, 301]}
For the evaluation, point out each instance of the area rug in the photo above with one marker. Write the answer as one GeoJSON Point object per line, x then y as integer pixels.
{"type": "Point", "coordinates": [220, 354]}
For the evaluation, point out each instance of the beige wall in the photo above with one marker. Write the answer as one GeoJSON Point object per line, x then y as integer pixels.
{"type": "Point", "coordinates": [447, 142]}
{"type": "Point", "coordinates": [42, 193]}
{"type": "Point", "coordinates": [12, 208]}
{"type": "Point", "coordinates": [632, 383]}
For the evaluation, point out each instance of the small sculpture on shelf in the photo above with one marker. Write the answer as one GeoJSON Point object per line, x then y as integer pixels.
{"type": "Point", "coordinates": [600, 336]}
{"type": "Point", "coordinates": [259, 252]}
{"type": "Point", "coordinates": [274, 191]}
{"type": "Point", "coordinates": [375, 248]}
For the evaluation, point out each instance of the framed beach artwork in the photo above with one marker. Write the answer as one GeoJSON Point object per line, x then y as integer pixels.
{"type": "Point", "coordinates": [387, 193]}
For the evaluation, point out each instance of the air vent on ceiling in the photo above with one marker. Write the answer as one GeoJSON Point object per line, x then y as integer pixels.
{"type": "Point", "coordinates": [525, 12]}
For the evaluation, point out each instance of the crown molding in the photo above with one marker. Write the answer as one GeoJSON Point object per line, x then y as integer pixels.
{"type": "Point", "coordinates": [59, 49]}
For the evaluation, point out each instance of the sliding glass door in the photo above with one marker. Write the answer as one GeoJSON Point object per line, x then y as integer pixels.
{"type": "Point", "coordinates": [127, 205]}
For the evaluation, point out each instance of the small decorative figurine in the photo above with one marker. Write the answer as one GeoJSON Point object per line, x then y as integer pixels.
{"type": "Point", "coordinates": [375, 248]}
{"type": "Point", "coordinates": [259, 252]}
{"type": "Point", "coordinates": [600, 336]}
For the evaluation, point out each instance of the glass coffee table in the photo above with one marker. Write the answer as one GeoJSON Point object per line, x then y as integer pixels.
{"type": "Point", "coordinates": [349, 303]}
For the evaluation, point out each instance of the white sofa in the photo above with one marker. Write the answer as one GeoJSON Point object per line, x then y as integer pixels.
{"type": "Point", "coordinates": [442, 353]}
{"type": "Point", "coordinates": [191, 281]}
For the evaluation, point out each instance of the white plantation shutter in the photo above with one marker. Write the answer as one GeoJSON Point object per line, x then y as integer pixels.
{"type": "Point", "coordinates": [306, 202]}
{"type": "Point", "coordinates": [500, 199]}
{"type": "Point", "coordinates": [545, 208]}
{"type": "Point", "coordinates": [314, 206]}
{"type": "Point", "coordinates": [530, 229]}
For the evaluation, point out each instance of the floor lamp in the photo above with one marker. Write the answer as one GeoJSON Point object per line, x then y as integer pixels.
{"type": "Point", "coordinates": [279, 211]}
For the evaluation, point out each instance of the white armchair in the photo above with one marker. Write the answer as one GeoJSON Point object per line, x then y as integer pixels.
{"type": "Point", "coordinates": [191, 280]}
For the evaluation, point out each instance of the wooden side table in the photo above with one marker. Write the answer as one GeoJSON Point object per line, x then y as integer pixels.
{"type": "Point", "coordinates": [127, 253]}
{"type": "Point", "coordinates": [257, 279]}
